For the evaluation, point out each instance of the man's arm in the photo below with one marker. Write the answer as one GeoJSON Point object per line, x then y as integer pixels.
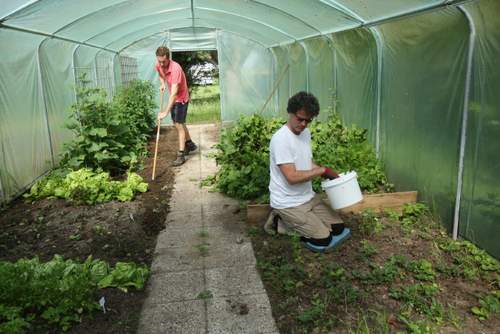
{"type": "Point", "coordinates": [171, 101]}
{"type": "Point", "coordinates": [294, 176]}
{"type": "Point", "coordinates": [162, 84]}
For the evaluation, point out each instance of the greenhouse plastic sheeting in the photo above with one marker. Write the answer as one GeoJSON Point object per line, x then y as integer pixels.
{"type": "Point", "coordinates": [281, 79]}
{"type": "Point", "coordinates": [320, 72]}
{"type": "Point", "coordinates": [24, 139]}
{"type": "Point", "coordinates": [244, 69]}
{"type": "Point", "coordinates": [424, 62]}
{"type": "Point", "coordinates": [59, 84]}
{"type": "Point", "coordinates": [356, 74]}
{"type": "Point", "coordinates": [298, 68]}
{"type": "Point", "coordinates": [480, 212]}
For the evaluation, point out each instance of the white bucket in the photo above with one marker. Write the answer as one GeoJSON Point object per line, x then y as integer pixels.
{"type": "Point", "coordinates": [343, 191]}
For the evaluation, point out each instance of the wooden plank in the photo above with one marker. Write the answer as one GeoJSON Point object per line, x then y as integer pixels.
{"type": "Point", "coordinates": [379, 202]}
{"type": "Point", "coordinates": [258, 213]}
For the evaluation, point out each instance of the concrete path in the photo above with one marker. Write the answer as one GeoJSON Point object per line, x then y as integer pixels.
{"type": "Point", "coordinates": [204, 278]}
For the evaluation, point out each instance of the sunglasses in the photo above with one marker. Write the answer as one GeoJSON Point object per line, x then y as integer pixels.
{"type": "Point", "coordinates": [301, 120]}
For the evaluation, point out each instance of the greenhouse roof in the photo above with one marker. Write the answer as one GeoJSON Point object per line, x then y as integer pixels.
{"type": "Point", "coordinates": [116, 24]}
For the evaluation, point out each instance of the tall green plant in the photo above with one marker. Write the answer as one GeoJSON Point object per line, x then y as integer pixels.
{"type": "Point", "coordinates": [135, 103]}
{"type": "Point", "coordinates": [109, 135]}
{"type": "Point", "coordinates": [346, 149]}
{"type": "Point", "coordinates": [243, 155]}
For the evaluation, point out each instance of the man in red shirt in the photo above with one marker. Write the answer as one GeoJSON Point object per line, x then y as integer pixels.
{"type": "Point", "coordinates": [171, 72]}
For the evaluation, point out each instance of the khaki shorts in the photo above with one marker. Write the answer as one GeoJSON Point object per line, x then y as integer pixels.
{"type": "Point", "coordinates": [311, 220]}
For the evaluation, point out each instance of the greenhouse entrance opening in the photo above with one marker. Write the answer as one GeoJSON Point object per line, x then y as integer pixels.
{"type": "Point", "coordinates": [202, 74]}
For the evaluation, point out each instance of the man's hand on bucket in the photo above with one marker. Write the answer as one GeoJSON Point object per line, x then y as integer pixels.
{"type": "Point", "coordinates": [330, 174]}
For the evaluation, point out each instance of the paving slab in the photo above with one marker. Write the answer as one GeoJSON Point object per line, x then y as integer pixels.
{"type": "Point", "coordinates": [203, 275]}
{"type": "Point", "coordinates": [178, 237]}
{"type": "Point", "coordinates": [234, 281]}
{"type": "Point", "coordinates": [185, 317]}
{"type": "Point", "coordinates": [168, 287]}
{"type": "Point", "coordinates": [241, 314]}
{"type": "Point", "coordinates": [185, 219]}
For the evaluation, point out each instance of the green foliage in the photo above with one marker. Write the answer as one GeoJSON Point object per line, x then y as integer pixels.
{"type": "Point", "coordinates": [86, 186]}
{"type": "Point", "coordinates": [414, 211]}
{"type": "Point", "coordinates": [416, 327]}
{"type": "Point", "coordinates": [473, 261]}
{"type": "Point", "coordinates": [243, 156]}
{"type": "Point", "coordinates": [135, 103]}
{"type": "Point", "coordinates": [422, 270]}
{"type": "Point", "coordinates": [345, 149]}
{"type": "Point", "coordinates": [187, 59]}
{"type": "Point", "coordinates": [421, 298]}
{"type": "Point", "coordinates": [205, 294]}
{"type": "Point", "coordinates": [367, 248]}
{"type": "Point", "coordinates": [109, 135]}
{"type": "Point", "coordinates": [370, 223]}
{"type": "Point", "coordinates": [489, 304]}
{"type": "Point", "coordinates": [314, 313]}
{"type": "Point", "coordinates": [57, 293]}
{"type": "Point", "coordinates": [410, 216]}
{"type": "Point", "coordinates": [372, 322]}
{"type": "Point", "coordinates": [124, 276]}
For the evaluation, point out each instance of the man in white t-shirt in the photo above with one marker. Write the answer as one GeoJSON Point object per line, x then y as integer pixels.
{"type": "Point", "coordinates": [296, 208]}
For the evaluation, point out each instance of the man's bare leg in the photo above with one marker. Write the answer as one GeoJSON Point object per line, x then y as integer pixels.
{"type": "Point", "coordinates": [181, 133]}
{"type": "Point", "coordinates": [186, 131]}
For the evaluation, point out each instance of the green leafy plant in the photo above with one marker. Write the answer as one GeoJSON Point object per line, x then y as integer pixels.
{"type": "Point", "coordinates": [347, 148]}
{"type": "Point", "coordinates": [109, 135]}
{"type": "Point", "coordinates": [422, 270]}
{"type": "Point", "coordinates": [472, 260]}
{"type": "Point", "coordinates": [86, 186]}
{"type": "Point", "coordinates": [367, 248]}
{"type": "Point", "coordinates": [205, 294]}
{"type": "Point", "coordinates": [243, 156]}
{"type": "Point", "coordinates": [314, 313]}
{"type": "Point", "coordinates": [421, 298]}
{"type": "Point", "coordinates": [489, 304]}
{"type": "Point", "coordinates": [370, 223]}
{"type": "Point", "coordinates": [58, 292]}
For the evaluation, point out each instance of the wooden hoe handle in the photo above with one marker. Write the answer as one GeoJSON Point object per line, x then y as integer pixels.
{"type": "Point", "coordinates": [157, 138]}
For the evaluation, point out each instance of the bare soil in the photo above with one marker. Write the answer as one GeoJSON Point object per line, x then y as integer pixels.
{"type": "Point", "coordinates": [114, 231]}
{"type": "Point", "coordinates": [325, 293]}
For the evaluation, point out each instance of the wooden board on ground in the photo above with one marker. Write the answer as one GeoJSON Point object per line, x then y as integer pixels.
{"type": "Point", "coordinates": [257, 213]}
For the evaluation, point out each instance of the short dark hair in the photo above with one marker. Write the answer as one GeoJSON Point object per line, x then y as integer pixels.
{"type": "Point", "coordinates": [162, 51]}
{"type": "Point", "coordinates": [303, 100]}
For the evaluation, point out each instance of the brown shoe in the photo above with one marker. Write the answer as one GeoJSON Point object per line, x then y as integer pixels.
{"type": "Point", "coordinates": [180, 159]}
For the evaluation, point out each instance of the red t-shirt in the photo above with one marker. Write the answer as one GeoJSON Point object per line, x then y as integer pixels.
{"type": "Point", "coordinates": [173, 74]}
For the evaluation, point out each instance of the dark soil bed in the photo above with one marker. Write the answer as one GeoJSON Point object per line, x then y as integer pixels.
{"type": "Point", "coordinates": [114, 231]}
{"type": "Point", "coordinates": [354, 289]}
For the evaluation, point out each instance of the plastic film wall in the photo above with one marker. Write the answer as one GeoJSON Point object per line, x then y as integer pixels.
{"type": "Point", "coordinates": [37, 89]}
{"type": "Point", "coordinates": [480, 206]}
{"type": "Point", "coordinates": [423, 76]}
{"type": "Point", "coordinates": [244, 68]}
{"type": "Point", "coordinates": [320, 72]}
{"type": "Point", "coordinates": [59, 82]}
{"type": "Point", "coordinates": [24, 137]}
{"type": "Point", "coordinates": [356, 74]}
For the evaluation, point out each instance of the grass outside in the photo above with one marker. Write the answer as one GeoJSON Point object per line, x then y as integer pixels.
{"type": "Point", "coordinates": [399, 273]}
{"type": "Point", "coordinates": [205, 104]}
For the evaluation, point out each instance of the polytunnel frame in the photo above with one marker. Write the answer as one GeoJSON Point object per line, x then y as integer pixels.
{"type": "Point", "coordinates": [465, 114]}
{"type": "Point", "coordinates": [371, 25]}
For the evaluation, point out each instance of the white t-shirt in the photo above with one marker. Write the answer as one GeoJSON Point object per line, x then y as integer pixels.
{"type": "Point", "coordinates": [285, 148]}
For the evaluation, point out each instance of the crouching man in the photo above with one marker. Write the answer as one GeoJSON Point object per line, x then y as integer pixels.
{"type": "Point", "coordinates": [296, 208]}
